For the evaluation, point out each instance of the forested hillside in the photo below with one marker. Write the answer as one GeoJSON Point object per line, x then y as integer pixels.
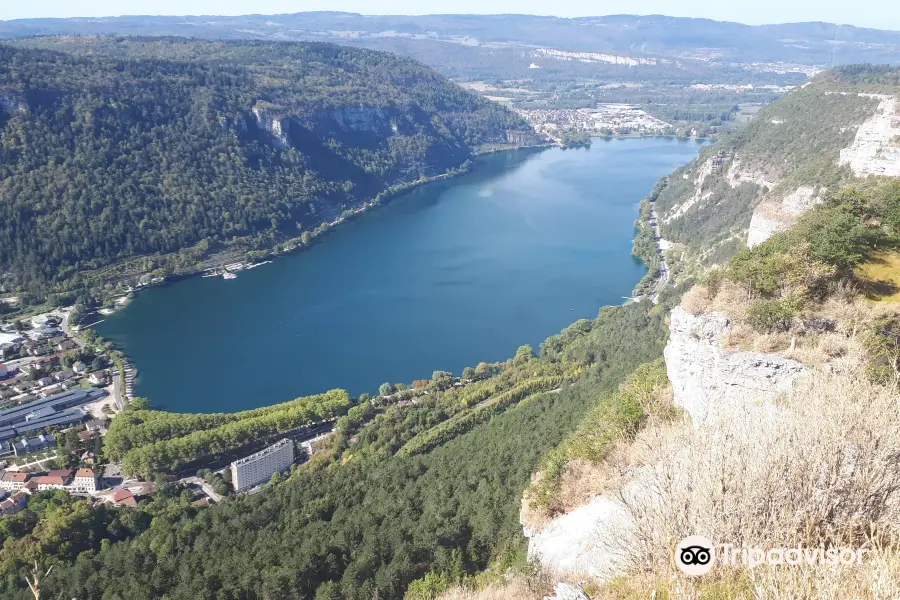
{"type": "Point", "coordinates": [113, 148]}
{"type": "Point", "coordinates": [403, 491]}
{"type": "Point", "coordinates": [838, 129]}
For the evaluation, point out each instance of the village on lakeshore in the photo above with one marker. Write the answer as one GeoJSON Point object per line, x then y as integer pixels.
{"type": "Point", "coordinates": [59, 389]}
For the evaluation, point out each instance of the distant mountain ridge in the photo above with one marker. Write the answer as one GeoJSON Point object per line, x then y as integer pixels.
{"type": "Point", "coordinates": [813, 43]}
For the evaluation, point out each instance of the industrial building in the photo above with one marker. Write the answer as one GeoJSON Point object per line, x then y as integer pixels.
{"type": "Point", "coordinates": [53, 411]}
{"type": "Point", "coordinates": [259, 467]}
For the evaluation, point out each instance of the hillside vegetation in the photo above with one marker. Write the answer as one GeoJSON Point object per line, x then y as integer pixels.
{"type": "Point", "coordinates": [811, 465]}
{"type": "Point", "coordinates": [707, 204]}
{"type": "Point", "coordinates": [365, 518]}
{"type": "Point", "coordinates": [112, 149]}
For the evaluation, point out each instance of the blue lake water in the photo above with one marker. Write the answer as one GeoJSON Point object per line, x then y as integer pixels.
{"type": "Point", "coordinates": [447, 275]}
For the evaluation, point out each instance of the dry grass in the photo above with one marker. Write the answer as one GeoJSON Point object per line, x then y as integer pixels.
{"type": "Point", "coordinates": [820, 470]}
{"type": "Point", "coordinates": [513, 587]}
{"type": "Point", "coordinates": [878, 578]}
{"type": "Point", "coordinates": [583, 479]}
{"type": "Point", "coordinates": [697, 300]}
{"type": "Point", "coordinates": [842, 305]}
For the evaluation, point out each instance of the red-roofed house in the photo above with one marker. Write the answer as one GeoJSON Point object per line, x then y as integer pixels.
{"type": "Point", "coordinates": [64, 473]}
{"type": "Point", "coordinates": [124, 498]}
{"type": "Point", "coordinates": [13, 504]}
{"type": "Point", "coordinates": [50, 482]}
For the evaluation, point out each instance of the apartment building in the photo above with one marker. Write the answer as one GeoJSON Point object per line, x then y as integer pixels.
{"type": "Point", "coordinates": [259, 467]}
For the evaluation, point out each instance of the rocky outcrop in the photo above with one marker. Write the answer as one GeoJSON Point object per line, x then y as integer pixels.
{"type": "Point", "coordinates": [711, 383]}
{"type": "Point", "coordinates": [876, 148]}
{"type": "Point", "coordinates": [774, 215]}
{"type": "Point", "coordinates": [564, 591]}
{"type": "Point", "coordinates": [738, 174]}
{"type": "Point", "coordinates": [365, 118]}
{"type": "Point", "coordinates": [524, 139]}
{"type": "Point", "coordinates": [574, 542]}
{"type": "Point", "coordinates": [708, 380]}
{"type": "Point", "coordinates": [275, 125]}
{"type": "Point", "coordinates": [704, 171]}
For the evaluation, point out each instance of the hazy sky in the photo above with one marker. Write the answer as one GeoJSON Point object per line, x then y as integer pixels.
{"type": "Point", "coordinates": [882, 14]}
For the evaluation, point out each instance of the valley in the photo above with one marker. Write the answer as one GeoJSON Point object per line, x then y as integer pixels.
{"type": "Point", "coordinates": [444, 396]}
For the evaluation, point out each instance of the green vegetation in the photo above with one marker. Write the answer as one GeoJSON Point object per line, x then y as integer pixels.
{"type": "Point", "coordinates": [616, 417]}
{"type": "Point", "coordinates": [790, 143]}
{"type": "Point", "coordinates": [795, 266]}
{"type": "Point", "coordinates": [457, 426]}
{"type": "Point", "coordinates": [172, 149]}
{"type": "Point", "coordinates": [149, 442]}
{"type": "Point", "coordinates": [363, 519]}
{"type": "Point", "coordinates": [645, 248]}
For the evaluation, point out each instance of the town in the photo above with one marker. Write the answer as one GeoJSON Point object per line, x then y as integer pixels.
{"type": "Point", "coordinates": [606, 120]}
{"type": "Point", "coordinates": [59, 389]}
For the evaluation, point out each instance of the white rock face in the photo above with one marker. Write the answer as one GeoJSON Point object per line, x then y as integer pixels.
{"type": "Point", "coordinates": [274, 125]}
{"type": "Point", "coordinates": [364, 118]}
{"type": "Point", "coordinates": [703, 172]}
{"type": "Point", "coordinates": [573, 543]}
{"type": "Point", "coordinates": [772, 215]}
{"type": "Point", "coordinates": [564, 591]}
{"type": "Point", "coordinates": [737, 175]}
{"type": "Point", "coordinates": [876, 149]}
{"type": "Point", "coordinates": [708, 381]}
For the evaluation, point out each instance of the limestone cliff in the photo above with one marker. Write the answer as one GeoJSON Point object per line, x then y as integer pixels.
{"type": "Point", "coordinates": [275, 125]}
{"type": "Point", "coordinates": [825, 134]}
{"type": "Point", "coordinates": [876, 147]}
{"type": "Point", "coordinates": [774, 214]}
{"type": "Point", "coordinates": [708, 380]}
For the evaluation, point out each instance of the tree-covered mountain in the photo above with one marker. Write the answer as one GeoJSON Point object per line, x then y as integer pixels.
{"type": "Point", "coordinates": [114, 148]}
{"type": "Point", "coordinates": [841, 128]}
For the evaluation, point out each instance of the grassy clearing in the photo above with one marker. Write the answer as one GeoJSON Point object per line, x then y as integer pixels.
{"type": "Point", "coordinates": [880, 276]}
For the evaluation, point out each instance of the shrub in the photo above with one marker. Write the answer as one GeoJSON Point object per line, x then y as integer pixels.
{"type": "Point", "coordinates": [770, 315]}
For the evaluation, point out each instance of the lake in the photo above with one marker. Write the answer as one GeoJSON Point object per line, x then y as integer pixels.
{"type": "Point", "coordinates": [448, 275]}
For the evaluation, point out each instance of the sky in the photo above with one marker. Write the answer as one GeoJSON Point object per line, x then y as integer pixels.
{"type": "Point", "coordinates": [881, 14]}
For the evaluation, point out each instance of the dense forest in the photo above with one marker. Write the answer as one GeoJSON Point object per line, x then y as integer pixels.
{"type": "Point", "coordinates": [113, 148]}
{"type": "Point", "coordinates": [386, 505]}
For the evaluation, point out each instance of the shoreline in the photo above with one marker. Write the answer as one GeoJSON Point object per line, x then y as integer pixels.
{"type": "Point", "coordinates": [297, 244]}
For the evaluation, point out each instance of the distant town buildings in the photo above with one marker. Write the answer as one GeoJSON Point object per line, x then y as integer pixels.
{"type": "Point", "coordinates": [606, 119]}
{"type": "Point", "coordinates": [259, 467]}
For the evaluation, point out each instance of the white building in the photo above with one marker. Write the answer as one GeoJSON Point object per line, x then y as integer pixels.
{"type": "Point", "coordinates": [40, 321]}
{"type": "Point", "coordinates": [12, 481]}
{"type": "Point", "coordinates": [259, 467]}
{"type": "Point", "coordinates": [85, 482]}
